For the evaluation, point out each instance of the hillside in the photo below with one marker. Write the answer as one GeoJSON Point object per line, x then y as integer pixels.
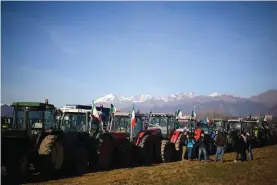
{"type": "Point", "coordinates": [259, 171]}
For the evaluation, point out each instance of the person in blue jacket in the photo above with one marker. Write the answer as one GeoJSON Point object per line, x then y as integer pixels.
{"type": "Point", "coordinates": [190, 145]}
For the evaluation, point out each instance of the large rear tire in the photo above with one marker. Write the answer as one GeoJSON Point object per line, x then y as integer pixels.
{"type": "Point", "coordinates": [146, 150]}
{"type": "Point", "coordinates": [166, 151]}
{"type": "Point", "coordinates": [51, 152]}
{"type": "Point", "coordinates": [125, 154]}
{"type": "Point", "coordinates": [178, 145]}
{"type": "Point", "coordinates": [157, 148]}
{"type": "Point", "coordinates": [82, 161]}
{"type": "Point", "coordinates": [105, 152]}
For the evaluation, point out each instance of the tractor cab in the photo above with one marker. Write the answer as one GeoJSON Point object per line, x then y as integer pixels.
{"type": "Point", "coordinates": [186, 124]}
{"type": "Point", "coordinates": [120, 124]}
{"type": "Point", "coordinates": [77, 118]}
{"type": "Point", "coordinates": [250, 124]}
{"type": "Point", "coordinates": [74, 118]}
{"type": "Point", "coordinates": [165, 123]}
{"type": "Point", "coordinates": [219, 125]}
{"type": "Point", "coordinates": [31, 118]}
{"type": "Point", "coordinates": [235, 125]}
{"type": "Point", "coordinates": [207, 128]}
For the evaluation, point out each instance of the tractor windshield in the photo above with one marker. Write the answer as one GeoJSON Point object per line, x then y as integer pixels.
{"type": "Point", "coordinates": [122, 124]}
{"type": "Point", "coordinates": [206, 128]}
{"type": "Point", "coordinates": [50, 119]}
{"type": "Point", "coordinates": [161, 123]}
{"type": "Point", "coordinates": [234, 125]}
{"type": "Point", "coordinates": [219, 125]}
{"type": "Point", "coordinates": [18, 120]}
{"type": "Point", "coordinates": [187, 124]}
{"type": "Point", "coordinates": [35, 119]}
{"type": "Point", "coordinates": [183, 124]}
{"type": "Point", "coordinates": [73, 122]}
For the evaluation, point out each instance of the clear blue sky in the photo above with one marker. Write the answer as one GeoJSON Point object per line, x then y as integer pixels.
{"type": "Point", "coordinates": [73, 52]}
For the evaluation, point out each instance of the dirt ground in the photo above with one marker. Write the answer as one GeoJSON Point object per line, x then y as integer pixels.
{"type": "Point", "coordinates": [262, 170]}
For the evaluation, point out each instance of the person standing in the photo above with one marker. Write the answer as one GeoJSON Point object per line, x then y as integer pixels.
{"type": "Point", "coordinates": [239, 148]}
{"type": "Point", "coordinates": [202, 144]}
{"type": "Point", "coordinates": [220, 142]}
{"type": "Point", "coordinates": [190, 145]}
{"type": "Point", "coordinates": [249, 145]}
{"type": "Point", "coordinates": [244, 145]}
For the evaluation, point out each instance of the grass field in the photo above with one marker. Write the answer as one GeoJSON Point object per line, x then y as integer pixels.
{"type": "Point", "coordinates": [262, 170]}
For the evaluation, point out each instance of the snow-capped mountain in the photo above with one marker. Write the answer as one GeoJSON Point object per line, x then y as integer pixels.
{"type": "Point", "coordinates": [221, 102]}
{"type": "Point", "coordinates": [111, 98]}
{"type": "Point", "coordinates": [214, 94]}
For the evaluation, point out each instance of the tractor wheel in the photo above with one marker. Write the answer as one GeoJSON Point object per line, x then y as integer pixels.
{"type": "Point", "coordinates": [166, 151]}
{"type": "Point", "coordinates": [105, 152]}
{"type": "Point", "coordinates": [51, 151]}
{"type": "Point", "coordinates": [157, 148]}
{"type": "Point", "coordinates": [17, 170]}
{"type": "Point", "coordinates": [179, 148]}
{"type": "Point", "coordinates": [146, 149]}
{"type": "Point", "coordinates": [82, 160]}
{"type": "Point", "coordinates": [125, 154]}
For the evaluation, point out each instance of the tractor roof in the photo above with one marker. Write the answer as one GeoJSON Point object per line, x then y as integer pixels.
{"type": "Point", "coordinates": [122, 114]}
{"type": "Point", "coordinates": [161, 115]}
{"type": "Point", "coordinates": [128, 114]}
{"type": "Point", "coordinates": [31, 104]}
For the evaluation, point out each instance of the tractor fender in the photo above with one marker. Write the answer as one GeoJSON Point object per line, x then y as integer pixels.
{"type": "Point", "coordinates": [118, 138]}
{"type": "Point", "coordinates": [140, 136]}
{"type": "Point", "coordinates": [174, 136]}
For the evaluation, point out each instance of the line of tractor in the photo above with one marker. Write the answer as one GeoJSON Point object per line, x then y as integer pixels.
{"type": "Point", "coordinates": [71, 140]}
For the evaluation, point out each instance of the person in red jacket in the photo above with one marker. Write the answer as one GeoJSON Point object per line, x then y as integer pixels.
{"type": "Point", "coordinates": [197, 133]}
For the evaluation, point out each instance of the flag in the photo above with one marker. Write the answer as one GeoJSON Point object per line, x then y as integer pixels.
{"type": "Point", "coordinates": [178, 113]}
{"type": "Point", "coordinates": [133, 118]}
{"type": "Point", "coordinates": [265, 118]}
{"type": "Point", "coordinates": [207, 120]}
{"type": "Point", "coordinates": [94, 112]}
{"type": "Point", "coordinates": [193, 115]}
{"type": "Point", "coordinates": [113, 109]}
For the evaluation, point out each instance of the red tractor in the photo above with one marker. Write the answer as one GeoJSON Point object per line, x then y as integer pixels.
{"type": "Point", "coordinates": [119, 128]}
{"type": "Point", "coordinates": [162, 136]}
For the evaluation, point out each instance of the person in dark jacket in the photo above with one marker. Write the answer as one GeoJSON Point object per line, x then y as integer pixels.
{"type": "Point", "coordinates": [249, 145]}
{"type": "Point", "coordinates": [239, 148]}
{"type": "Point", "coordinates": [220, 142]}
{"type": "Point", "coordinates": [202, 144]}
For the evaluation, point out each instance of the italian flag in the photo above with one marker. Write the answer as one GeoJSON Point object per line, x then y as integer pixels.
{"type": "Point", "coordinates": [113, 109]}
{"type": "Point", "coordinates": [133, 118]}
{"type": "Point", "coordinates": [94, 112]}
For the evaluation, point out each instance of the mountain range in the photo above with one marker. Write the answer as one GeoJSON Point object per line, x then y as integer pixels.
{"type": "Point", "coordinates": [227, 104]}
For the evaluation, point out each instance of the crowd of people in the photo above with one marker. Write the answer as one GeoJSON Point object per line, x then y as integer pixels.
{"type": "Point", "coordinates": [198, 146]}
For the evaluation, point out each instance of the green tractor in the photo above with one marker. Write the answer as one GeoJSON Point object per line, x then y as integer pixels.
{"type": "Point", "coordinates": [32, 138]}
